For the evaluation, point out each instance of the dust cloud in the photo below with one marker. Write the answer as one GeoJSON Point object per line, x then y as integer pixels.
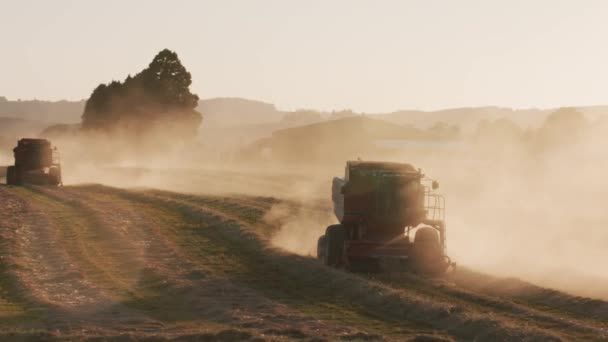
{"type": "Point", "coordinates": [523, 202]}
{"type": "Point", "coordinates": [300, 226]}
{"type": "Point", "coordinates": [531, 204]}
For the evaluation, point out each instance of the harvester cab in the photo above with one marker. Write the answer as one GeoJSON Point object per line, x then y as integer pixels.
{"type": "Point", "coordinates": [36, 162]}
{"type": "Point", "coordinates": [389, 214]}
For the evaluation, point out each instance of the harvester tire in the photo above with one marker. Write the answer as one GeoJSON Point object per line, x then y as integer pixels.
{"type": "Point", "coordinates": [427, 235]}
{"type": "Point", "coordinates": [334, 253]}
{"type": "Point", "coordinates": [55, 176]}
{"type": "Point", "coordinates": [11, 176]}
{"type": "Point", "coordinates": [322, 248]}
{"type": "Point", "coordinates": [427, 254]}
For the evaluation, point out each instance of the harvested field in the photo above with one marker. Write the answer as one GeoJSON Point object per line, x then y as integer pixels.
{"type": "Point", "coordinates": [91, 261]}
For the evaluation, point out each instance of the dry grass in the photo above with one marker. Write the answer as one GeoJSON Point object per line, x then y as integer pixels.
{"type": "Point", "coordinates": [160, 265]}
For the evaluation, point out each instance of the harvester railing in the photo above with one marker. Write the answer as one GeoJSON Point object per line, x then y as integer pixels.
{"type": "Point", "coordinates": [56, 157]}
{"type": "Point", "coordinates": [434, 204]}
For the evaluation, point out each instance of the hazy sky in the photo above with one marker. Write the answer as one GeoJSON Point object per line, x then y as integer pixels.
{"type": "Point", "coordinates": [364, 55]}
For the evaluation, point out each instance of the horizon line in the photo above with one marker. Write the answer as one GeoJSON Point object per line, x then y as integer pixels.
{"type": "Point", "coordinates": [279, 109]}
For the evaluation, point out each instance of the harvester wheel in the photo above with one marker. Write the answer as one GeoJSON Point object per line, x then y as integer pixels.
{"type": "Point", "coordinates": [427, 254]}
{"type": "Point", "coordinates": [427, 235]}
{"type": "Point", "coordinates": [335, 236]}
{"type": "Point", "coordinates": [11, 176]}
{"type": "Point", "coordinates": [55, 176]}
{"type": "Point", "coordinates": [322, 248]}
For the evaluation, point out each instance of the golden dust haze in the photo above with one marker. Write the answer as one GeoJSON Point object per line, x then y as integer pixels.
{"type": "Point", "coordinates": [520, 203]}
{"type": "Point", "coordinates": [523, 200]}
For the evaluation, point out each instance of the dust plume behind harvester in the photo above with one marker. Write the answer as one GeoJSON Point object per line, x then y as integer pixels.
{"type": "Point", "coordinates": [390, 219]}
{"type": "Point", "coordinates": [36, 162]}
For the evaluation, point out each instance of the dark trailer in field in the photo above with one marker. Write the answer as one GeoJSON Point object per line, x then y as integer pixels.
{"type": "Point", "coordinates": [36, 162]}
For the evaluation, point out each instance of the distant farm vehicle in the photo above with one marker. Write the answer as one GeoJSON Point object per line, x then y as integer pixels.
{"type": "Point", "coordinates": [379, 206]}
{"type": "Point", "coordinates": [36, 162]}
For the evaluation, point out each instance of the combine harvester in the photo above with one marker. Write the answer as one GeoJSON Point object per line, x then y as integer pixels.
{"type": "Point", "coordinates": [36, 162]}
{"type": "Point", "coordinates": [379, 206]}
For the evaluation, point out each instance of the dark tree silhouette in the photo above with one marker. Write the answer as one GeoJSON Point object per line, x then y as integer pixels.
{"type": "Point", "coordinates": [157, 96]}
{"type": "Point", "coordinates": [168, 81]}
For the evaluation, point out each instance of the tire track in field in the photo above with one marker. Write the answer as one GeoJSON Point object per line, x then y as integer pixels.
{"type": "Point", "coordinates": [182, 287]}
{"type": "Point", "coordinates": [46, 268]}
{"type": "Point", "coordinates": [250, 209]}
{"type": "Point", "coordinates": [49, 276]}
{"type": "Point", "coordinates": [593, 312]}
{"type": "Point", "coordinates": [219, 296]}
{"type": "Point", "coordinates": [431, 289]}
{"type": "Point", "coordinates": [15, 301]}
{"type": "Point", "coordinates": [257, 205]}
{"type": "Point", "coordinates": [460, 321]}
{"type": "Point", "coordinates": [480, 302]}
{"type": "Point", "coordinates": [543, 298]}
{"type": "Point", "coordinates": [154, 257]}
{"type": "Point", "coordinates": [442, 290]}
{"type": "Point", "coordinates": [57, 254]}
{"type": "Point", "coordinates": [123, 304]}
{"type": "Point", "coordinates": [107, 257]}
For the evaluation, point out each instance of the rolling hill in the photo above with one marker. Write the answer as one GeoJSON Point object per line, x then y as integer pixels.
{"type": "Point", "coordinates": [352, 137]}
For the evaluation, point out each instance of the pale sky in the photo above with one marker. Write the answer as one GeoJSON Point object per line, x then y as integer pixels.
{"type": "Point", "coordinates": [370, 56]}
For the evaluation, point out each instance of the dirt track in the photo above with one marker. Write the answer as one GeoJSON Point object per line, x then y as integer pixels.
{"type": "Point", "coordinates": [88, 261]}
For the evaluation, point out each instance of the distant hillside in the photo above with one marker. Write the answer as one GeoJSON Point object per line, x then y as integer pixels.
{"type": "Point", "coordinates": [217, 111]}
{"type": "Point", "coordinates": [238, 134]}
{"type": "Point", "coordinates": [11, 128]}
{"type": "Point", "coordinates": [358, 136]}
{"type": "Point", "coordinates": [237, 121]}
{"type": "Point", "coordinates": [45, 111]}
{"type": "Point", "coordinates": [236, 111]}
{"type": "Point", "coordinates": [467, 118]}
